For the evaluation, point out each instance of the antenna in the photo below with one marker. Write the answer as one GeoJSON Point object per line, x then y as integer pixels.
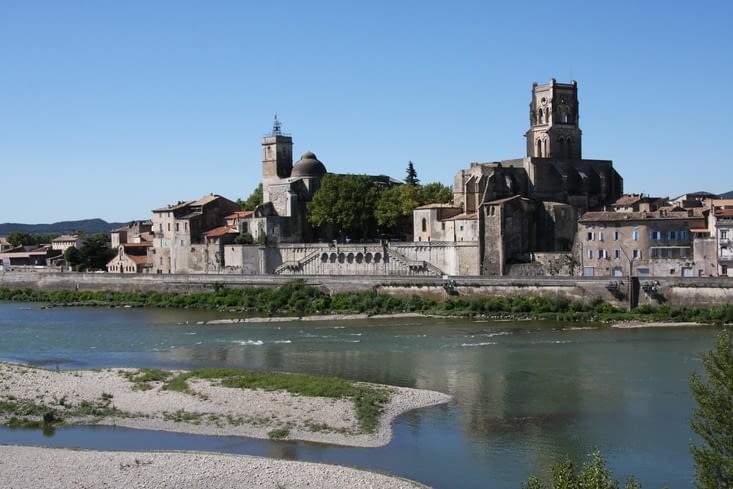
{"type": "Point", "coordinates": [276, 127]}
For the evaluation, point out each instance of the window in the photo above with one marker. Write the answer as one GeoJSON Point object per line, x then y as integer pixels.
{"type": "Point", "coordinates": [177, 227]}
{"type": "Point", "coordinates": [636, 254]}
{"type": "Point", "coordinates": [442, 225]}
{"type": "Point", "coordinates": [590, 236]}
{"type": "Point", "coordinates": [616, 235]}
{"type": "Point", "coordinates": [169, 226]}
{"type": "Point", "coordinates": [424, 225]}
{"type": "Point", "coordinates": [602, 254]}
{"type": "Point", "coordinates": [635, 235]}
{"type": "Point", "coordinates": [655, 235]}
{"type": "Point", "coordinates": [723, 234]}
{"type": "Point", "coordinates": [617, 254]}
{"type": "Point", "coordinates": [601, 236]}
{"type": "Point", "coordinates": [683, 252]}
{"type": "Point", "coordinates": [590, 254]}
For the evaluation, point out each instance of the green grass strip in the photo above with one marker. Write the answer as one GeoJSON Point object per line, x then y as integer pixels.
{"type": "Point", "coordinates": [368, 401]}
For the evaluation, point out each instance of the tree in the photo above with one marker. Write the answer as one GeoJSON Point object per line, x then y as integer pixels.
{"type": "Point", "coordinates": [394, 208]}
{"type": "Point", "coordinates": [411, 178]}
{"type": "Point", "coordinates": [393, 211]}
{"type": "Point", "coordinates": [593, 474]}
{"type": "Point", "coordinates": [346, 203]}
{"type": "Point", "coordinates": [435, 193]}
{"type": "Point", "coordinates": [17, 238]}
{"type": "Point", "coordinates": [254, 199]}
{"type": "Point", "coordinates": [712, 419]}
{"type": "Point", "coordinates": [73, 257]}
{"type": "Point", "coordinates": [94, 254]}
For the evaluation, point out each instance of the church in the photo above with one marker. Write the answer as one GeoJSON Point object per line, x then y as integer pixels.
{"type": "Point", "coordinates": [514, 209]}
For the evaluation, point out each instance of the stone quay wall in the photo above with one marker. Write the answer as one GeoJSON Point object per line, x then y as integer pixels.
{"type": "Point", "coordinates": [621, 293]}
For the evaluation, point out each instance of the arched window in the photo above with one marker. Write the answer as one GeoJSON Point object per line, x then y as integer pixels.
{"type": "Point", "coordinates": [540, 117]}
{"type": "Point", "coordinates": [539, 148]}
{"type": "Point", "coordinates": [424, 225]}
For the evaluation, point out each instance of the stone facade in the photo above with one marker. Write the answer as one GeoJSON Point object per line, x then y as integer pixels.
{"type": "Point", "coordinates": [644, 244]}
{"type": "Point", "coordinates": [529, 205]}
{"type": "Point", "coordinates": [179, 244]}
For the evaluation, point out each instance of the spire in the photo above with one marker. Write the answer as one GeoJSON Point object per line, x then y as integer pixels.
{"type": "Point", "coordinates": [276, 127]}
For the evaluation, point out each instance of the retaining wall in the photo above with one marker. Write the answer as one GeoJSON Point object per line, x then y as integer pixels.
{"type": "Point", "coordinates": [672, 291]}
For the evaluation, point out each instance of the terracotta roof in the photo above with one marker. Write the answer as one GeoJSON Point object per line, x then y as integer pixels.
{"type": "Point", "coordinates": [240, 215]}
{"type": "Point", "coordinates": [640, 216]}
{"type": "Point", "coordinates": [140, 260]}
{"type": "Point", "coordinates": [723, 212]}
{"type": "Point", "coordinates": [220, 231]}
{"type": "Point", "coordinates": [144, 244]}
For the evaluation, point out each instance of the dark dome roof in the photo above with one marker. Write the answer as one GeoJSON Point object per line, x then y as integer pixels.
{"type": "Point", "coordinates": [308, 166]}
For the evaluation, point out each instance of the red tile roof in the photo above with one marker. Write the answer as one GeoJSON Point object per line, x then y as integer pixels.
{"type": "Point", "coordinates": [220, 231]}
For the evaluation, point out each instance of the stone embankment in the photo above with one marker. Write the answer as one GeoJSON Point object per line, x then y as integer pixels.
{"type": "Point", "coordinates": [620, 291]}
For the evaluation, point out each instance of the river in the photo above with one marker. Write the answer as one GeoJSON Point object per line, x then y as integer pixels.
{"type": "Point", "coordinates": [525, 393]}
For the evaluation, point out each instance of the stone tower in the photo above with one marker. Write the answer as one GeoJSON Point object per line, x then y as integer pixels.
{"type": "Point", "coordinates": [553, 122]}
{"type": "Point", "coordinates": [277, 159]}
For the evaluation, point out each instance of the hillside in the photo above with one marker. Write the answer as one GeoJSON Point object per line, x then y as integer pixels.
{"type": "Point", "coordinates": [89, 226]}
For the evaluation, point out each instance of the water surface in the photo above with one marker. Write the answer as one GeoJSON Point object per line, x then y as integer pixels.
{"type": "Point", "coordinates": [525, 393]}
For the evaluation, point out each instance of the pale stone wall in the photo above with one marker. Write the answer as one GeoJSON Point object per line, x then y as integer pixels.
{"type": "Point", "coordinates": [671, 291]}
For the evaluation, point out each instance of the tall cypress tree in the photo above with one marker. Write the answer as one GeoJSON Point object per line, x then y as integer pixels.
{"type": "Point", "coordinates": [411, 178]}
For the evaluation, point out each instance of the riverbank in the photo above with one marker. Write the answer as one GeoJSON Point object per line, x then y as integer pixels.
{"type": "Point", "coordinates": [139, 399]}
{"type": "Point", "coordinates": [50, 468]}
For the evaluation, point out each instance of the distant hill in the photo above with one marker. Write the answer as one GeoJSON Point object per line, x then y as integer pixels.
{"type": "Point", "coordinates": [727, 195]}
{"type": "Point", "coordinates": [89, 226]}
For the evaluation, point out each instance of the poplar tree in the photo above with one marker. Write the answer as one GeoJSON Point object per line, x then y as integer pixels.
{"type": "Point", "coordinates": [712, 420]}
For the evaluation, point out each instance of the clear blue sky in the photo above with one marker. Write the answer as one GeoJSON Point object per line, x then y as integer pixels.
{"type": "Point", "coordinates": [112, 109]}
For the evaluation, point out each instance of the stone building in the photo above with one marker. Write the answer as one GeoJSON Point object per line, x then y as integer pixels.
{"type": "Point", "coordinates": [179, 244]}
{"type": "Point", "coordinates": [131, 258]}
{"type": "Point", "coordinates": [516, 208]}
{"type": "Point", "coordinates": [286, 190]}
{"type": "Point", "coordinates": [646, 243]}
{"type": "Point", "coordinates": [134, 232]}
{"type": "Point", "coordinates": [714, 241]}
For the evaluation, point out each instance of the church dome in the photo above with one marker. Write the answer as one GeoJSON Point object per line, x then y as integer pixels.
{"type": "Point", "coordinates": [308, 166]}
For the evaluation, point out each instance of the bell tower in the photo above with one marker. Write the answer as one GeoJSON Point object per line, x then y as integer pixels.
{"type": "Point", "coordinates": [277, 158]}
{"type": "Point", "coordinates": [553, 122]}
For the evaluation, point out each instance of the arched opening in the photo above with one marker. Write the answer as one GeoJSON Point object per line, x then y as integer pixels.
{"type": "Point", "coordinates": [539, 148]}
{"type": "Point", "coordinates": [540, 117]}
{"type": "Point", "coordinates": [424, 224]}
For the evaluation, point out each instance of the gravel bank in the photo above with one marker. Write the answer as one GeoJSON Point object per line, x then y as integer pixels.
{"type": "Point", "coordinates": [111, 398]}
{"type": "Point", "coordinates": [51, 468]}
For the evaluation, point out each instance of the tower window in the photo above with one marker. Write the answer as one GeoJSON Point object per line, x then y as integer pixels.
{"type": "Point", "coordinates": [424, 225]}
